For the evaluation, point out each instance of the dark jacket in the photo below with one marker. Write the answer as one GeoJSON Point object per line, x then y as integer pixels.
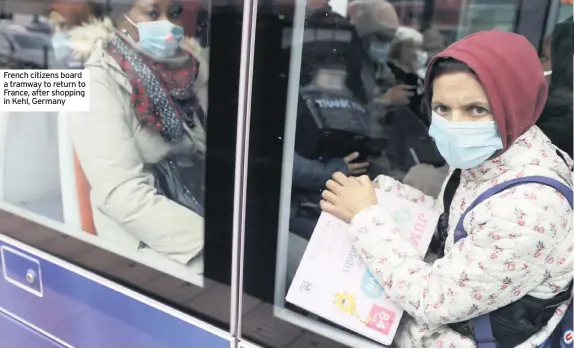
{"type": "Point", "coordinates": [312, 174]}
{"type": "Point", "coordinates": [309, 178]}
{"type": "Point", "coordinates": [556, 119]}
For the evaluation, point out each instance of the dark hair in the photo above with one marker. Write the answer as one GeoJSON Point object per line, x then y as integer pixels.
{"type": "Point", "coordinates": [561, 54]}
{"type": "Point", "coordinates": [99, 10]}
{"type": "Point", "coordinates": [439, 67]}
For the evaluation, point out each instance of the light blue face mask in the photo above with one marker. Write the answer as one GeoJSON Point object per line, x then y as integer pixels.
{"type": "Point", "coordinates": [465, 145]}
{"type": "Point", "coordinates": [379, 51]}
{"type": "Point", "coordinates": [61, 46]}
{"type": "Point", "coordinates": [160, 38]}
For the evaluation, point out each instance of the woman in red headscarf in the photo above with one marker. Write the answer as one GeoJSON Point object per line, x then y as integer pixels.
{"type": "Point", "coordinates": [506, 228]}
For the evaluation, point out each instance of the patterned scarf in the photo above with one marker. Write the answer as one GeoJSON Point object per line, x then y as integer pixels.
{"type": "Point", "coordinates": [163, 98]}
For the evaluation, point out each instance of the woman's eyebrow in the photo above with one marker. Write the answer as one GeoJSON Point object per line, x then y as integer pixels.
{"type": "Point", "coordinates": [149, 3]}
{"type": "Point", "coordinates": [478, 103]}
{"type": "Point", "coordinates": [436, 101]}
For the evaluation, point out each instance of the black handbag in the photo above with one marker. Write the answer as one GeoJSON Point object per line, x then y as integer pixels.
{"type": "Point", "coordinates": [181, 179]}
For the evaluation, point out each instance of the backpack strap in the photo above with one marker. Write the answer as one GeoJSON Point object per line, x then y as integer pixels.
{"type": "Point", "coordinates": [482, 325]}
{"type": "Point", "coordinates": [459, 232]}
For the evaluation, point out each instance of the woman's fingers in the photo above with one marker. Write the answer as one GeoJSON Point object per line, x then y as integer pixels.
{"type": "Point", "coordinates": [327, 206]}
{"type": "Point", "coordinates": [365, 180]}
{"type": "Point", "coordinates": [329, 196]}
{"type": "Point", "coordinates": [333, 186]}
{"type": "Point", "coordinates": [341, 179]}
{"type": "Point", "coordinates": [332, 209]}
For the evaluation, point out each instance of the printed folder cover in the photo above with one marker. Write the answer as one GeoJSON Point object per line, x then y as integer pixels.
{"type": "Point", "coordinates": [333, 282]}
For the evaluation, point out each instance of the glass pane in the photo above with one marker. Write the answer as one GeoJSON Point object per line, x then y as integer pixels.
{"type": "Point", "coordinates": [566, 11]}
{"type": "Point", "coordinates": [127, 175]}
{"type": "Point", "coordinates": [346, 77]}
{"type": "Point", "coordinates": [556, 57]}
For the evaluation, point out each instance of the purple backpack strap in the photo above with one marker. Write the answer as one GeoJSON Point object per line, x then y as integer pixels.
{"type": "Point", "coordinates": [481, 325]}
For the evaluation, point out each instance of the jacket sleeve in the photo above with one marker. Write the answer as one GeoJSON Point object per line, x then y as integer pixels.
{"type": "Point", "coordinates": [511, 238]}
{"type": "Point", "coordinates": [124, 192]}
{"type": "Point", "coordinates": [313, 174]}
{"type": "Point", "coordinates": [404, 191]}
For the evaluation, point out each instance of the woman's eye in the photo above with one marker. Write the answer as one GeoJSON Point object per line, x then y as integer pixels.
{"type": "Point", "coordinates": [480, 111]}
{"type": "Point", "coordinates": [440, 109]}
{"type": "Point", "coordinates": [153, 15]}
{"type": "Point", "coordinates": [175, 13]}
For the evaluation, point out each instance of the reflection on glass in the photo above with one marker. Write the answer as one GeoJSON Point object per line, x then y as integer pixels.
{"type": "Point", "coordinates": [131, 170]}
{"type": "Point", "coordinates": [373, 78]}
{"type": "Point", "coordinates": [556, 118]}
{"type": "Point", "coordinates": [31, 42]}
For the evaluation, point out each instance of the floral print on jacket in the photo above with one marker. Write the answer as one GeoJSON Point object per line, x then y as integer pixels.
{"type": "Point", "coordinates": [519, 242]}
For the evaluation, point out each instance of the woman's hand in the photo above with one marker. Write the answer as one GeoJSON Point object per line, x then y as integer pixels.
{"type": "Point", "coordinates": [347, 196]}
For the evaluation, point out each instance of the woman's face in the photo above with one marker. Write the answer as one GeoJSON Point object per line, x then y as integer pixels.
{"type": "Point", "coordinates": [459, 97]}
{"type": "Point", "coordinates": [153, 10]}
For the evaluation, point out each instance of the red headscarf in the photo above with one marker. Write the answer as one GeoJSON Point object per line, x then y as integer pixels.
{"type": "Point", "coordinates": [510, 72]}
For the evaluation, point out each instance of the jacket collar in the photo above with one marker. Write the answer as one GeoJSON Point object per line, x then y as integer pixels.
{"type": "Point", "coordinates": [89, 42]}
{"type": "Point", "coordinates": [531, 149]}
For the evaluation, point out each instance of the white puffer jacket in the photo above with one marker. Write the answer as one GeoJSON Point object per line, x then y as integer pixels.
{"type": "Point", "coordinates": [519, 242]}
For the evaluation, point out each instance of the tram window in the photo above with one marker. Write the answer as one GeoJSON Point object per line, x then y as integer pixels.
{"type": "Point", "coordinates": [381, 68]}
{"type": "Point", "coordinates": [122, 177]}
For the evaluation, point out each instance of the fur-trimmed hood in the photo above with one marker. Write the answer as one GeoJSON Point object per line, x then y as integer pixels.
{"type": "Point", "coordinates": [88, 42]}
{"type": "Point", "coordinates": [83, 39]}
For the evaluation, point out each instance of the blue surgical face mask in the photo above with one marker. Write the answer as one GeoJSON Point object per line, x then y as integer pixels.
{"type": "Point", "coordinates": [160, 38]}
{"type": "Point", "coordinates": [61, 46]}
{"type": "Point", "coordinates": [379, 51]}
{"type": "Point", "coordinates": [465, 145]}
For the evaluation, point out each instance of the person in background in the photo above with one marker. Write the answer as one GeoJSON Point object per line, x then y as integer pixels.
{"type": "Point", "coordinates": [376, 22]}
{"type": "Point", "coordinates": [425, 177]}
{"type": "Point", "coordinates": [556, 118]}
{"type": "Point", "coordinates": [511, 255]}
{"type": "Point", "coordinates": [148, 100]}
{"type": "Point", "coordinates": [406, 59]}
{"type": "Point", "coordinates": [65, 15]}
{"type": "Point", "coordinates": [433, 42]}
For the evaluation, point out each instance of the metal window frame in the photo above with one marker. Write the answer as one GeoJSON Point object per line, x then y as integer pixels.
{"type": "Point", "coordinates": [241, 163]}
{"type": "Point", "coordinates": [534, 29]}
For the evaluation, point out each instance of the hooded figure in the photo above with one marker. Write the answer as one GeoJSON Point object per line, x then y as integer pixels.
{"type": "Point", "coordinates": [485, 92]}
{"type": "Point", "coordinates": [148, 100]}
{"type": "Point", "coordinates": [376, 22]}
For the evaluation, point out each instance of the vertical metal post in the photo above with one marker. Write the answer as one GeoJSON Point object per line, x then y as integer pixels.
{"type": "Point", "coordinates": [241, 160]}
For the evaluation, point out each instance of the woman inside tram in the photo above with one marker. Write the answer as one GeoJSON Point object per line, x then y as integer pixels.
{"type": "Point", "coordinates": [505, 277]}
{"type": "Point", "coordinates": [142, 142]}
